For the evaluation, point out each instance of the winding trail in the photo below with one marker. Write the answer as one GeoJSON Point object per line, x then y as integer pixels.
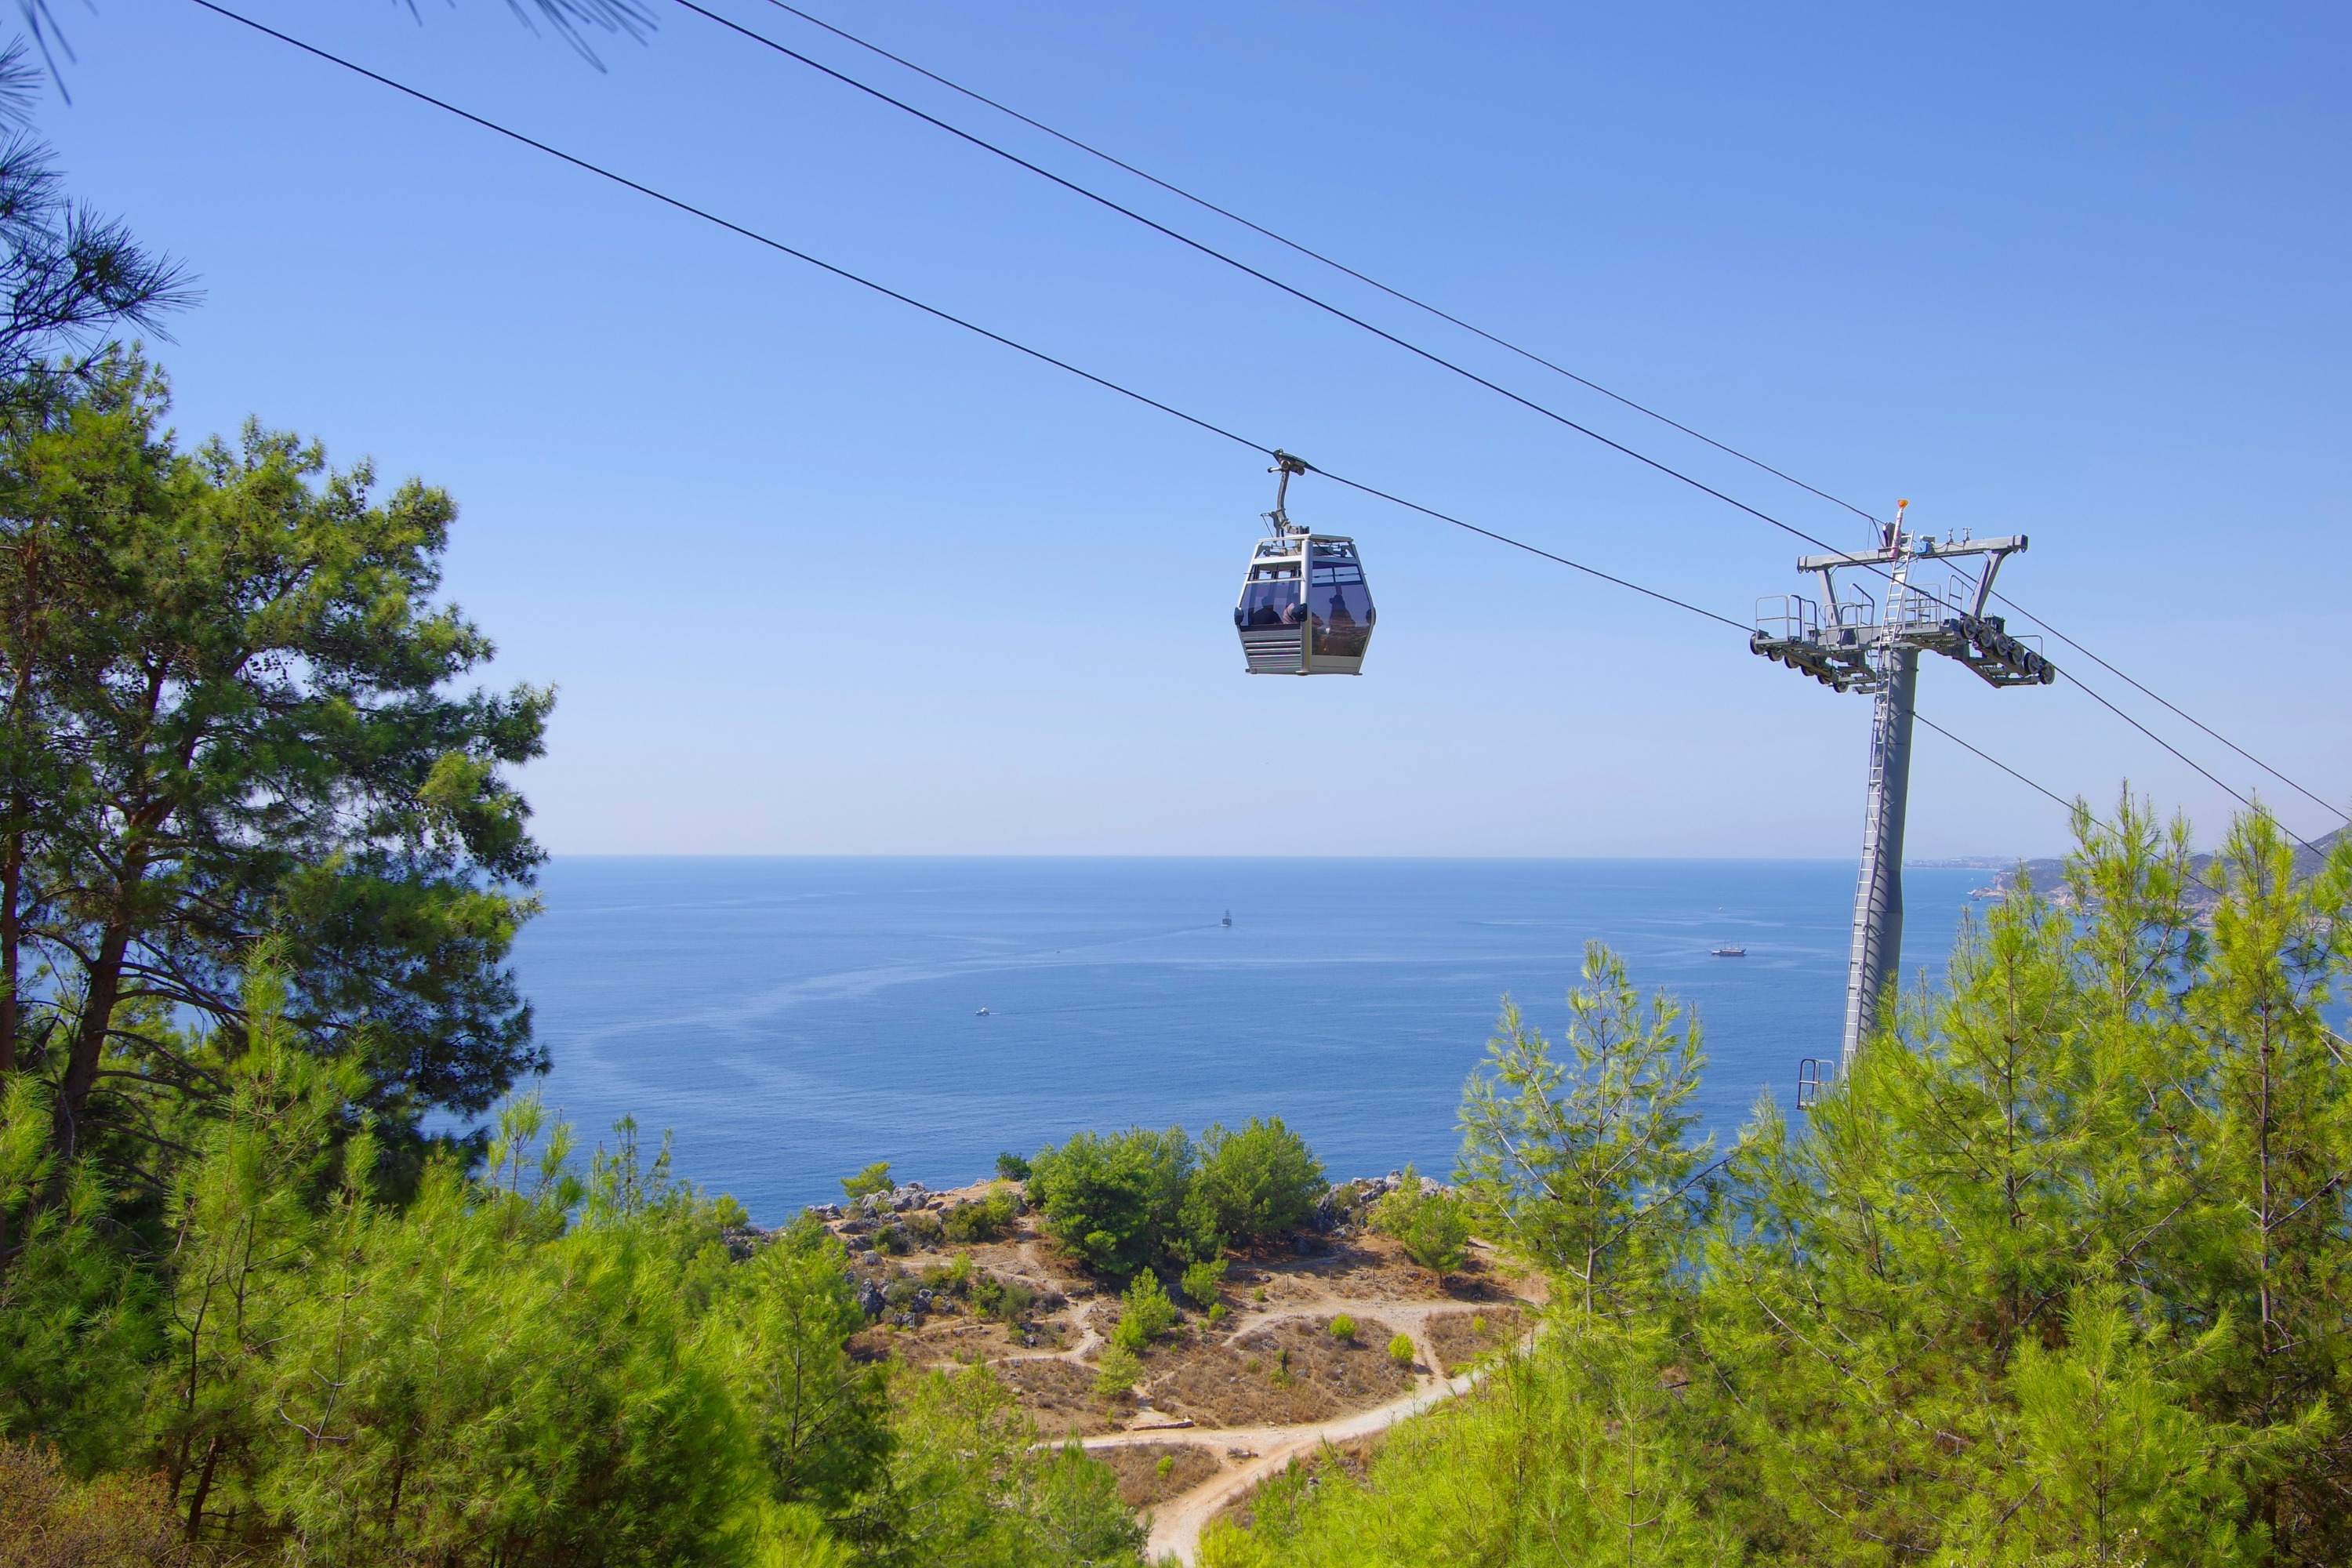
{"type": "Point", "coordinates": [1248, 1455]}
{"type": "Point", "coordinates": [1176, 1525]}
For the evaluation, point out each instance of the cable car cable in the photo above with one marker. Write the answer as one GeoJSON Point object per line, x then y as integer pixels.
{"type": "Point", "coordinates": [2093, 695]}
{"type": "Point", "coordinates": [2176, 711]}
{"type": "Point", "coordinates": [1434, 358]}
{"type": "Point", "coordinates": [1313, 255]}
{"type": "Point", "coordinates": [1268, 279]}
{"type": "Point", "coordinates": [1500, 342]}
{"type": "Point", "coordinates": [1741, 627]}
{"type": "Point", "coordinates": [1985, 757]}
{"type": "Point", "coordinates": [2071, 805]}
{"type": "Point", "coordinates": [935, 312]}
{"type": "Point", "coordinates": [1039, 354]}
{"type": "Point", "coordinates": [752, 235]}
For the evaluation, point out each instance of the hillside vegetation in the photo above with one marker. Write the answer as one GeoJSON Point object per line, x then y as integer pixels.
{"type": "Point", "coordinates": [2061, 1274]}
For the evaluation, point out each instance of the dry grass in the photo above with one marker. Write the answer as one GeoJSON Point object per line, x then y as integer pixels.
{"type": "Point", "coordinates": [49, 1520]}
{"type": "Point", "coordinates": [945, 1341]}
{"type": "Point", "coordinates": [1197, 1374]}
{"type": "Point", "coordinates": [1142, 1483]}
{"type": "Point", "coordinates": [1060, 1395]}
{"type": "Point", "coordinates": [1352, 1458]}
{"type": "Point", "coordinates": [1277, 1375]}
{"type": "Point", "coordinates": [1460, 1338]}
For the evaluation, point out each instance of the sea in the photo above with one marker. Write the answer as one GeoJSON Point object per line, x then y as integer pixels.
{"type": "Point", "coordinates": [788, 1020]}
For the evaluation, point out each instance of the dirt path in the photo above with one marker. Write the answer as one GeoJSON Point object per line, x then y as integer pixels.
{"type": "Point", "coordinates": [1304, 1290]}
{"type": "Point", "coordinates": [1176, 1525]}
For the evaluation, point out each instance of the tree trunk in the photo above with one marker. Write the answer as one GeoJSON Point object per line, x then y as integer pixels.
{"type": "Point", "coordinates": [102, 986]}
{"type": "Point", "coordinates": [12, 853]}
{"type": "Point", "coordinates": [12, 887]}
{"type": "Point", "coordinates": [204, 1487]}
{"type": "Point", "coordinates": [99, 999]}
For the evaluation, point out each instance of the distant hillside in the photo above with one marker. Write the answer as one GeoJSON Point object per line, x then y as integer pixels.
{"type": "Point", "coordinates": [2048, 877]}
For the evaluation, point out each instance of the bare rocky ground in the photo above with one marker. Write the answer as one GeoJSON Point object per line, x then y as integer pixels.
{"type": "Point", "coordinates": [1225, 1404]}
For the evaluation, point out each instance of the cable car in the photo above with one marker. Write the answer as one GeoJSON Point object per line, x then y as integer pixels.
{"type": "Point", "coordinates": [1305, 608]}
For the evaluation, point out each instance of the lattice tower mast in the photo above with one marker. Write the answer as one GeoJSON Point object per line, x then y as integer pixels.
{"type": "Point", "coordinates": [1849, 645]}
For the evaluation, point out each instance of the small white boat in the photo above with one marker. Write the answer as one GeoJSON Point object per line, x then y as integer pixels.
{"type": "Point", "coordinates": [981, 1014]}
{"type": "Point", "coordinates": [1727, 952]}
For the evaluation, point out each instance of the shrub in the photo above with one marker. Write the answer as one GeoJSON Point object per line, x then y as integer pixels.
{"type": "Point", "coordinates": [994, 1296]}
{"type": "Point", "coordinates": [1401, 1350]}
{"type": "Point", "coordinates": [954, 1276]}
{"type": "Point", "coordinates": [922, 1229]}
{"type": "Point", "coordinates": [1434, 1226]}
{"type": "Point", "coordinates": [982, 1219]}
{"type": "Point", "coordinates": [1343, 1327]}
{"type": "Point", "coordinates": [1115, 1204]}
{"type": "Point", "coordinates": [1012, 1167]}
{"type": "Point", "coordinates": [873, 1180]}
{"type": "Point", "coordinates": [1116, 1372]}
{"type": "Point", "coordinates": [900, 1292]}
{"type": "Point", "coordinates": [1259, 1181]}
{"type": "Point", "coordinates": [1201, 1279]}
{"type": "Point", "coordinates": [114, 1522]}
{"type": "Point", "coordinates": [1216, 1313]}
{"type": "Point", "coordinates": [1166, 1467]}
{"type": "Point", "coordinates": [1148, 1315]}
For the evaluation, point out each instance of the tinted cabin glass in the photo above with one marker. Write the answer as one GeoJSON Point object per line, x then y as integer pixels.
{"type": "Point", "coordinates": [1268, 601]}
{"type": "Point", "coordinates": [1341, 605]}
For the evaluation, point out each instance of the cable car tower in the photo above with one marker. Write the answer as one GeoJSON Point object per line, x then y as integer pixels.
{"type": "Point", "coordinates": [1850, 643]}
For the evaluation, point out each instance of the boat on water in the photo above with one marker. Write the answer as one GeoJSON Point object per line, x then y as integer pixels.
{"type": "Point", "coordinates": [1727, 951]}
{"type": "Point", "coordinates": [981, 1014]}
{"type": "Point", "coordinates": [1229, 917]}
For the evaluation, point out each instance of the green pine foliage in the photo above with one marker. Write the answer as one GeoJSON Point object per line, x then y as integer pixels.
{"type": "Point", "coordinates": [236, 714]}
{"type": "Point", "coordinates": [1258, 1182]}
{"type": "Point", "coordinates": [1146, 1314]}
{"type": "Point", "coordinates": [1584, 1164]}
{"type": "Point", "coordinates": [1117, 1203]}
{"type": "Point", "coordinates": [2061, 1273]}
{"type": "Point", "coordinates": [518, 1365]}
{"type": "Point", "coordinates": [871, 1182]}
{"type": "Point", "coordinates": [1117, 1370]}
{"type": "Point", "coordinates": [982, 1219]}
{"type": "Point", "coordinates": [969, 1486]}
{"type": "Point", "coordinates": [1204, 1281]}
{"type": "Point", "coordinates": [1433, 1226]}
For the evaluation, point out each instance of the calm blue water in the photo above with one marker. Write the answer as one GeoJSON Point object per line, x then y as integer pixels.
{"type": "Point", "coordinates": [791, 1019]}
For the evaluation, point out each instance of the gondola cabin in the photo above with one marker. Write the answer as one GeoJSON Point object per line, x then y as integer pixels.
{"type": "Point", "coordinates": [1305, 608]}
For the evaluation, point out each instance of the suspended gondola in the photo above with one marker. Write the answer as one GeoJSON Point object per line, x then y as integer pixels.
{"type": "Point", "coordinates": [1305, 608]}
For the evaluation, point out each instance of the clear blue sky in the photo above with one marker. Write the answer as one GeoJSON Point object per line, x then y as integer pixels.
{"type": "Point", "coordinates": [817, 574]}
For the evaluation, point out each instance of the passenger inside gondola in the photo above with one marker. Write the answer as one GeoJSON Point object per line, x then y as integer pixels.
{"type": "Point", "coordinates": [1269, 602]}
{"type": "Point", "coordinates": [1343, 616]}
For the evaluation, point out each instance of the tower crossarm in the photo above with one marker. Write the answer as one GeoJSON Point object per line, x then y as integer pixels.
{"type": "Point", "coordinates": [1789, 631]}
{"type": "Point", "coordinates": [1984, 643]}
{"type": "Point", "coordinates": [1921, 548]}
